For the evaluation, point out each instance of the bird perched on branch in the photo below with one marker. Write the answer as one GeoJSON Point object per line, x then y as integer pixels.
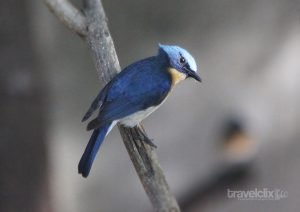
{"type": "Point", "coordinates": [134, 94]}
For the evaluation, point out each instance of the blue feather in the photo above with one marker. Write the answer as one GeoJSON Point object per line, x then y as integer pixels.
{"type": "Point", "coordinates": [98, 101]}
{"type": "Point", "coordinates": [141, 85]}
{"type": "Point", "coordinates": [91, 150]}
{"type": "Point", "coordinates": [121, 102]}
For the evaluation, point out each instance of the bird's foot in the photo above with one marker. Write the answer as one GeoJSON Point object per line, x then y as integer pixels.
{"type": "Point", "coordinates": [149, 141]}
{"type": "Point", "coordinates": [141, 135]}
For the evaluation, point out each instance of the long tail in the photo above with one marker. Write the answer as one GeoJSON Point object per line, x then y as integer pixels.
{"type": "Point", "coordinates": [91, 150]}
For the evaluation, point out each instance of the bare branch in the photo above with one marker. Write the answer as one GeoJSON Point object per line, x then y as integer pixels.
{"type": "Point", "coordinates": [69, 15]}
{"type": "Point", "coordinates": [100, 41]}
{"type": "Point", "coordinates": [146, 164]}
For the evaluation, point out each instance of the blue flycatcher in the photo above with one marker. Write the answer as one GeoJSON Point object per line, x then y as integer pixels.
{"type": "Point", "coordinates": [134, 94]}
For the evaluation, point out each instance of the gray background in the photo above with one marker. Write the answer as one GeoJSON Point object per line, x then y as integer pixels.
{"type": "Point", "coordinates": [248, 56]}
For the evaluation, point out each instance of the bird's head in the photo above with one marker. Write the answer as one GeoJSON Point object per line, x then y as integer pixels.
{"type": "Point", "coordinates": [181, 61]}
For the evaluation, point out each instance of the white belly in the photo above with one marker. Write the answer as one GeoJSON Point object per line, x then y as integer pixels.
{"type": "Point", "coordinates": [133, 119]}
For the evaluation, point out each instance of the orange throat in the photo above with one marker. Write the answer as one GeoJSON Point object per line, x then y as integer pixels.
{"type": "Point", "coordinates": [176, 76]}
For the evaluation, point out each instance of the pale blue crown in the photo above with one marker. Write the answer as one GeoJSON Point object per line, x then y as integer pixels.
{"type": "Point", "coordinates": [175, 52]}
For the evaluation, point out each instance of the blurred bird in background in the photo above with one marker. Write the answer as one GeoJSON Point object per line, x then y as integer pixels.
{"type": "Point", "coordinates": [238, 146]}
{"type": "Point", "coordinates": [134, 94]}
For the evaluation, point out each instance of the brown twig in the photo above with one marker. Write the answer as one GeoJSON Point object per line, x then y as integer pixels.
{"type": "Point", "coordinates": [107, 65]}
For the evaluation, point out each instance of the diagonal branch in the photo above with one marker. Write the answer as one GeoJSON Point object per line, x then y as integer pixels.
{"type": "Point", "coordinates": [142, 156]}
{"type": "Point", "coordinates": [69, 15]}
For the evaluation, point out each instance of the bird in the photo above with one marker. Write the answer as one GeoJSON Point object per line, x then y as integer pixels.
{"type": "Point", "coordinates": [133, 94]}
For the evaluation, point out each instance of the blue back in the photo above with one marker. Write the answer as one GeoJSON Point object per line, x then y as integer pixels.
{"type": "Point", "coordinates": [141, 85]}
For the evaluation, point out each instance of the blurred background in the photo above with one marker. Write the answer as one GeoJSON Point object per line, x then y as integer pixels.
{"type": "Point", "coordinates": [239, 129]}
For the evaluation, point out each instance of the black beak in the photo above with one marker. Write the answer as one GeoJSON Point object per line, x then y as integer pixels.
{"type": "Point", "coordinates": [192, 74]}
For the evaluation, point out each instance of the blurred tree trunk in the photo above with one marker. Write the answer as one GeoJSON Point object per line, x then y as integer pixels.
{"type": "Point", "coordinates": [23, 156]}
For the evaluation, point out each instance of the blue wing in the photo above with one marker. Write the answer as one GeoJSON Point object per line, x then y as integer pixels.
{"type": "Point", "coordinates": [97, 103]}
{"type": "Point", "coordinates": [136, 88]}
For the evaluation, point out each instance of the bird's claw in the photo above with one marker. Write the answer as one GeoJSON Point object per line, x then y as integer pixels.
{"type": "Point", "coordinates": [143, 137]}
{"type": "Point", "coordinates": [149, 141]}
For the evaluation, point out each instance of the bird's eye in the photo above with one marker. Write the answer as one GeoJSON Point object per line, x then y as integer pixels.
{"type": "Point", "coordinates": [182, 60]}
